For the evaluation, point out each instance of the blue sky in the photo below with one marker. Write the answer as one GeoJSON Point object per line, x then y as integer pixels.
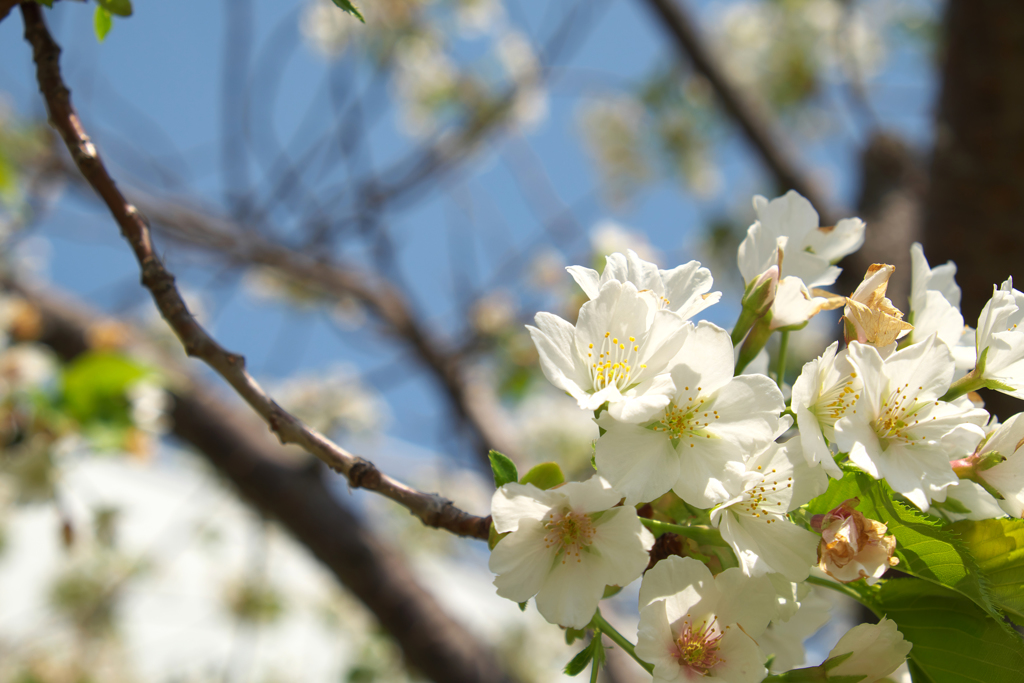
{"type": "Point", "coordinates": [155, 85]}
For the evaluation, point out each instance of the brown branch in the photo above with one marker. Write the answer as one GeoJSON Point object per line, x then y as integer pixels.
{"type": "Point", "coordinates": [766, 139]}
{"type": "Point", "coordinates": [374, 572]}
{"type": "Point", "coordinates": [198, 228]}
{"type": "Point", "coordinates": [6, 6]}
{"type": "Point", "coordinates": [431, 509]}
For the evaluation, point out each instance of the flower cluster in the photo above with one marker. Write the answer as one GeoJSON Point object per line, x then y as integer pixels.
{"type": "Point", "coordinates": [725, 460]}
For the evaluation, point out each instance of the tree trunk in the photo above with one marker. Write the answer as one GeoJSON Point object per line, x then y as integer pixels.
{"type": "Point", "coordinates": [975, 208]}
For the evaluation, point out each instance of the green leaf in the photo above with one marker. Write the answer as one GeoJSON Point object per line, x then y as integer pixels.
{"type": "Point", "coordinates": [47, 3]}
{"type": "Point", "coordinates": [347, 6]}
{"type": "Point", "coordinates": [95, 387]}
{"type": "Point", "coordinates": [580, 661]}
{"type": "Point", "coordinates": [998, 547]}
{"type": "Point", "coordinates": [102, 22]}
{"type": "Point", "coordinates": [544, 476]}
{"type": "Point", "coordinates": [954, 640]}
{"type": "Point", "coordinates": [924, 548]}
{"type": "Point", "coordinates": [122, 8]}
{"type": "Point", "coordinates": [504, 470]}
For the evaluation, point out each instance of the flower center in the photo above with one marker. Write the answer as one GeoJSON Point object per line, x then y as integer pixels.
{"type": "Point", "coordinates": [760, 499]}
{"type": "Point", "coordinates": [568, 531]}
{"type": "Point", "coordinates": [698, 648]}
{"type": "Point", "coordinates": [897, 416]}
{"type": "Point", "coordinates": [687, 420]}
{"type": "Point", "coordinates": [833, 403]}
{"type": "Point", "coordinates": [616, 359]}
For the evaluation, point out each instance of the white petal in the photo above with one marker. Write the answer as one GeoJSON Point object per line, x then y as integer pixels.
{"type": "Point", "coordinates": [570, 593]}
{"type": "Point", "coordinates": [588, 279]}
{"type": "Point", "coordinates": [742, 659]}
{"type": "Point", "coordinates": [522, 561]}
{"type": "Point", "coordinates": [621, 544]}
{"type": "Point", "coordinates": [514, 502]}
{"type": "Point", "coordinates": [761, 548]}
{"type": "Point", "coordinates": [641, 464]}
{"type": "Point", "coordinates": [681, 581]}
{"type": "Point", "coordinates": [747, 601]}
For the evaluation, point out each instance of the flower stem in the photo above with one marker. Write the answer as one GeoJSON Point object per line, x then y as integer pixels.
{"type": "Point", "coordinates": [620, 640]}
{"type": "Point", "coordinates": [701, 534]}
{"type": "Point", "coordinates": [780, 367]}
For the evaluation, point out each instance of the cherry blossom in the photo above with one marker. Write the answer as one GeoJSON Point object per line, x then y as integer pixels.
{"type": "Point", "coordinates": [694, 626]}
{"type": "Point", "coordinates": [564, 546]}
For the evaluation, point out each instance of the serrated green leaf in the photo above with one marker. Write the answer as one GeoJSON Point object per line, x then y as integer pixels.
{"type": "Point", "coordinates": [347, 6]}
{"type": "Point", "coordinates": [998, 547]}
{"type": "Point", "coordinates": [954, 640]}
{"type": "Point", "coordinates": [102, 22]}
{"type": "Point", "coordinates": [924, 548]}
{"type": "Point", "coordinates": [122, 8]}
{"type": "Point", "coordinates": [544, 476]}
{"type": "Point", "coordinates": [838, 491]}
{"type": "Point", "coordinates": [578, 663]}
{"type": "Point", "coordinates": [504, 470]}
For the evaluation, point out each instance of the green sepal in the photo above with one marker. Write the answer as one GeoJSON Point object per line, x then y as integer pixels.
{"type": "Point", "coordinates": [493, 537]}
{"type": "Point", "coordinates": [574, 634]}
{"type": "Point", "coordinates": [347, 6]}
{"type": "Point", "coordinates": [609, 591]}
{"type": "Point", "coordinates": [833, 662]}
{"type": "Point", "coordinates": [504, 470]}
{"type": "Point", "coordinates": [546, 475]}
{"type": "Point", "coordinates": [522, 605]}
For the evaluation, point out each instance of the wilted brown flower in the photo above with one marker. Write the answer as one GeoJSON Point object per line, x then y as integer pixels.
{"type": "Point", "coordinates": [852, 546]}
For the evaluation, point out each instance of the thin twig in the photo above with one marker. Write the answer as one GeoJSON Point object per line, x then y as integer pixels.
{"type": "Point", "coordinates": [766, 139]}
{"type": "Point", "coordinates": [432, 509]}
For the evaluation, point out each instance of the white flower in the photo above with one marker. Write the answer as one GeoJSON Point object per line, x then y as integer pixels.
{"type": "Point", "coordinates": [868, 650]}
{"type": "Point", "coordinates": [684, 289]}
{"type": "Point", "coordinates": [754, 522]}
{"type": "Point", "coordinates": [712, 418]}
{"type": "Point", "coordinates": [619, 343]}
{"type": "Point", "coordinates": [788, 227]}
{"type": "Point", "coordinates": [795, 304]}
{"type": "Point", "coordinates": [924, 279]}
{"type": "Point", "coordinates": [694, 626]}
{"type": "Point", "coordinates": [1008, 476]}
{"type": "Point", "coordinates": [826, 388]}
{"type": "Point", "coordinates": [565, 546]}
{"type": "Point", "coordinates": [899, 429]}
{"type": "Point", "coordinates": [975, 500]}
{"type": "Point", "coordinates": [1001, 338]}
{"type": "Point", "coordinates": [785, 637]}
{"type": "Point", "coordinates": [935, 308]}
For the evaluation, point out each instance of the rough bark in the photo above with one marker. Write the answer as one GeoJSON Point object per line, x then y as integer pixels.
{"type": "Point", "coordinates": [975, 207]}
{"type": "Point", "coordinates": [237, 445]}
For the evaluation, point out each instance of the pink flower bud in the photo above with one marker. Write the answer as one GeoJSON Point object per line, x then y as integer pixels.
{"type": "Point", "coordinates": [852, 546]}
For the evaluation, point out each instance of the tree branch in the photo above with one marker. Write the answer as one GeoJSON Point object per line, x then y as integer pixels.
{"type": "Point", "coordinates": [431, 509]}
{"type": "Point", "coordinates": [372, 571]}
{"type": "Point", "coordinates": [766, 139]}
{"type": "Point", "coordinates": [6, 6]}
